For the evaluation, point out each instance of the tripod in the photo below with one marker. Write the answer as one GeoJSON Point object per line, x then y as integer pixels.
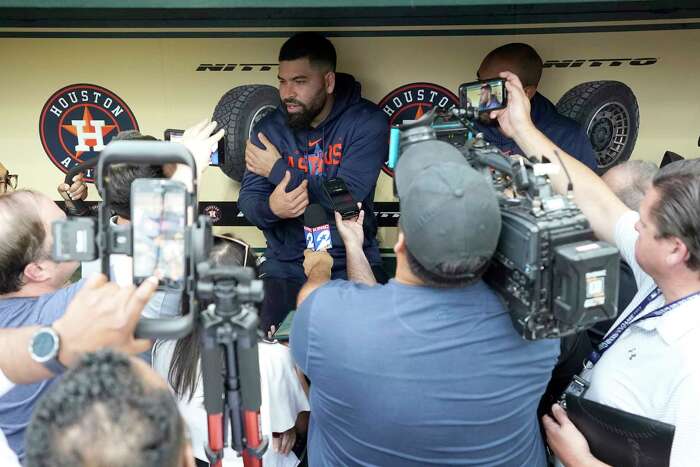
{"type": "Point", "coordinates": [230, 368]}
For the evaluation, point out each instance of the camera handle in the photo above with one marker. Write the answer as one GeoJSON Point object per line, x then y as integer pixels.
{"type": "Point", "coordinates": [76, 207]}
{"type": "Point", "coordinates": [156, 153]}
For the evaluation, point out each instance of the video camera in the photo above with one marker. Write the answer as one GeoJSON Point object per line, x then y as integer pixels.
{"type": "Point", "coordinates": [165, 240]}
{"type": "Point", "coordinates": [555, 277]}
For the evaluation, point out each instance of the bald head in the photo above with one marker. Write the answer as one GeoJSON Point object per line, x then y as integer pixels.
{"type": "Point", "coordinates": [630, 181]}
{"type": "Point", "coordinates": [517, 58]}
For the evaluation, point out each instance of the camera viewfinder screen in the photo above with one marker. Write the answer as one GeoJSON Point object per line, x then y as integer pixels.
{"type": "Point", "coordinates": [159, 225]}
{"type": "Point", "coordinates": [486, 95]}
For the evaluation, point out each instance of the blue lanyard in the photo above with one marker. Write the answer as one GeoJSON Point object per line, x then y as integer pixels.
{"type": "Point", "coordinates": [615, 334]}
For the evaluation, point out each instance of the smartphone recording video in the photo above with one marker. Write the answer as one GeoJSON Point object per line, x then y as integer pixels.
{"type": "Point", "coordinates": [485, 95]}
{"type": "Point", "coordinates": [159, 220]}
{"type": "Point", "coordinates": [217, 156]}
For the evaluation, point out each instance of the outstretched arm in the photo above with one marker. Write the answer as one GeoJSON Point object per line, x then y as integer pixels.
{"type": "Point", "coordinates": [100, 315]}
{"type": "Point", "coordinates": [597, 202]}
{"type": "Point", "coordinates": [352, 233]}
{"type": "Point", "coordinates": [317, 266]}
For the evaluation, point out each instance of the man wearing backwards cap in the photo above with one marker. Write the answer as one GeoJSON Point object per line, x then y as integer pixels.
{"type": "Point", "coordinates": [427, 369]}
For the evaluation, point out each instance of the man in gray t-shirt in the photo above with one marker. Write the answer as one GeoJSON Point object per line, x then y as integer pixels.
{"type": "Point", "coordinates": [427, 369]}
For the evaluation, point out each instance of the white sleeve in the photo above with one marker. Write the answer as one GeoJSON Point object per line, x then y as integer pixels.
{"type": "Point", "coordinates": [626, 240]}
{"type": "Point", "coordinates": [281, 389]}
{"type": "Point", "coordinates": [626, 236]}
{"type": "Point", "coordinates": [192, 410]}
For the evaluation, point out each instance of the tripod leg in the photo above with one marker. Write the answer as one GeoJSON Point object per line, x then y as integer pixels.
{"type": "Point", "coordinates": [213, 381]}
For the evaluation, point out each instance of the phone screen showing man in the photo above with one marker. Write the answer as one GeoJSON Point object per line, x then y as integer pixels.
{"type": "Point", "coordinates": [484, 95]}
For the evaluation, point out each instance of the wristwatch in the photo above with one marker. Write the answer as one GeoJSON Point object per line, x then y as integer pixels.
{"type": "Point", "coordinates": [44, 347]}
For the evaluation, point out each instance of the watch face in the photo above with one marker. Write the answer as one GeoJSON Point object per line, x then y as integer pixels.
{"type": "Point", "coordinates": [44, 346]}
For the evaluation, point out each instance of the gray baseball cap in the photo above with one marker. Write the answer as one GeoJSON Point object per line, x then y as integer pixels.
{"type": "Point", "coordinates": [449, 211]}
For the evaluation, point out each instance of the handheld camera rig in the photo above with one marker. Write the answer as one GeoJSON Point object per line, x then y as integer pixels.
{"type": "Point", "coordinates": [221, 298]}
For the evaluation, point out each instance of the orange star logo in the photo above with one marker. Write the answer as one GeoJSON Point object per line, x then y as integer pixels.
{"type": "Point", "coordinates": [420, 112]}
{"type": "Point", "coordinates": [88, 128]}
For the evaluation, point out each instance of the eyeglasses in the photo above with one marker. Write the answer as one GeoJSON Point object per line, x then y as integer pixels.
{"type": "Point", "coordinates": [10, 181]}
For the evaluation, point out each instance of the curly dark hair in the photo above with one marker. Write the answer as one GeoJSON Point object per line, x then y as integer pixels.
{"type": "Point", "coordinates": [101, 414]}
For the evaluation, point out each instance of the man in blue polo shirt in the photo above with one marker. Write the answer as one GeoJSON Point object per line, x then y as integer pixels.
{"type": "Point", "coordinates": [427, 369]}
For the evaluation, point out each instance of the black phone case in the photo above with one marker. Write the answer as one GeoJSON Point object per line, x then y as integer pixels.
{"type": "Point", "coordinates": [346, 211]}
{"type": "Point", "coordinates": [621, 438]}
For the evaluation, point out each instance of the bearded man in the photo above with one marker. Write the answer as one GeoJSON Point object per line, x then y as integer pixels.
{"type": "Point", "coordinates": [322, 129]}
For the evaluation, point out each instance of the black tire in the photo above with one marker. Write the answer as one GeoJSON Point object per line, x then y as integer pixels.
{"type": "Point", "coordinates": [238, 111]}
{"type": "Point", "coordinates": [609, 112]}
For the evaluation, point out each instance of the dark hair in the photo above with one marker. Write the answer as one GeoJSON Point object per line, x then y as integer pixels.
{"type": "Point", "coordinates": [677, 212]}
{"type": "Point", "coordinates": [133, 135]}
{"type": "Point", "coordinates": [311, 45]}
{"type": "Point", "coordinates": [525, 61]}
{"type": "Point", "coordinates": [450, 275]}
{"type": "Point", "coordinates": [101, 414]}
{"type": "Point", "coordinates": [183, 374]}
{"type": "Point", "coordinates": [121, 176]}
{"type": "Point", "coordinates": [23, 237]}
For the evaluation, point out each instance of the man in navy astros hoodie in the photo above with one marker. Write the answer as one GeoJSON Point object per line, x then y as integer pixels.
{"type": "Point", "coordinates": [525, 62]}
{"type": "Point", "coordinates": [322, 129]}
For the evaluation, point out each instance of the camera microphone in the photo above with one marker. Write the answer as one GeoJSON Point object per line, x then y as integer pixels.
{"type": "Point", "coordinates": [317, 230]}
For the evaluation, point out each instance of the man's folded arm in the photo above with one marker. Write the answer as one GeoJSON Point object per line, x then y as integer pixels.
{"type": "Point", "coordinates": [254, 201]}
{"type": "Point", "coordinates": [361, 162]}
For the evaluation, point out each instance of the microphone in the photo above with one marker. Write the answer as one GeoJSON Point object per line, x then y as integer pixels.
{"type": "Point", "coordinates": [316, 228]}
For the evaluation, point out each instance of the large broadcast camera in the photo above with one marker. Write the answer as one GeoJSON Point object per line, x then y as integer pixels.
{"type": "Point", "coordinates": [555, 277]}
{"type": "Point", "coordinates": [165, 240]}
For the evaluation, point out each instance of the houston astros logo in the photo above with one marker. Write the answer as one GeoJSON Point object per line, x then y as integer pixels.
{"type": "Point", "coordinates": [213, 212]}
{"type": "Point", "coordinates": [78, 121]}
{"type": "Point", "coordinates": [411, 101]}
